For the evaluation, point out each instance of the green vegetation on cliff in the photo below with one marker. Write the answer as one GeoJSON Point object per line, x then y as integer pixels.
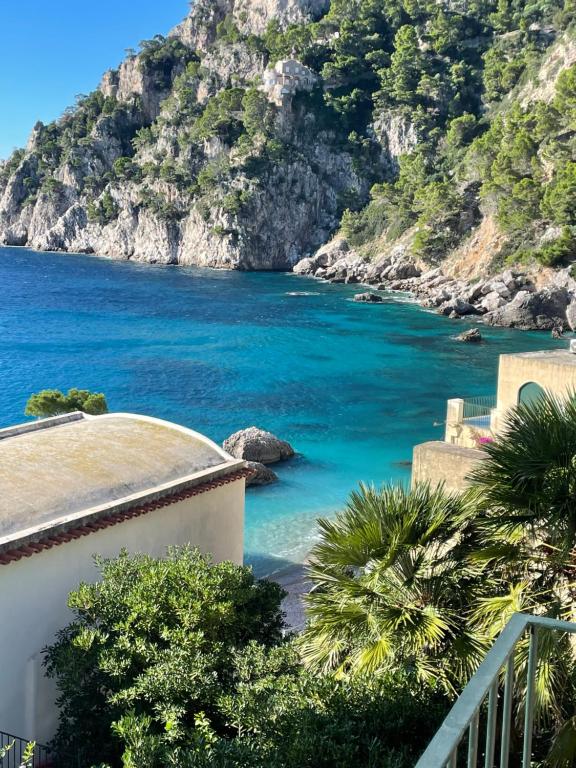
{"type": "Point", "coordinates": [425, 118]}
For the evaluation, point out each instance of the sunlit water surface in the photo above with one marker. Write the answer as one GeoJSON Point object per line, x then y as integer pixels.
{"type": "Point", "coordinates": [352, 386]}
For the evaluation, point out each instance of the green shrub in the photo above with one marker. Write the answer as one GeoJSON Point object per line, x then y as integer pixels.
{"type": "Point", "coordinates": [159, 57]}
{"type": "Point", "coordinates": [104, 210]}
{"type": "Point", "coordinates": [178, 662]}
{"type": "Point", "coordinates": [154, 639]}
{"type": "Point", "coordinates": [559, 252]}
{"type": "Point", "coordinates": [52, 402]}
{"type": "Point", "coordinates": [125, 169]}
{"type": "Point", "coordinates": [559, 203]}
{"type": "Point", "coordinates": [221, 117]}
{"type": "Point", "coordinates": [227, 31]}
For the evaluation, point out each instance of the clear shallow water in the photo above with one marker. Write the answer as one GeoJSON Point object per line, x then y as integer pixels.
{"type": "Point", "coordinates": [352, 386]}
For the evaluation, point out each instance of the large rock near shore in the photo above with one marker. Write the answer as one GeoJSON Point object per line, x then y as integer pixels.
{"type": "Point", "coordinates": [368, 298]}
{"type": "Point", "coordinates": [261, 474]}
{"type": "Point", "coordinates": [473, 336]}
{"type": "Point", "coordinates": [257, 445]}
{"type": "Point", "coordinates": [543, 310]}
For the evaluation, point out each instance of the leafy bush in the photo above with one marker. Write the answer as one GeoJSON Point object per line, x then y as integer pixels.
{"type": "Point", "coordinates": [52, 187]}
{"type": "Point", "coordinates": [52, 402]}
{"type": "Point", "coordinates": [125, 169]}
{"type": "Point", "coordinates": [157, 204]}
{"type": "Point", "coordinates": [284, 717]}
{"type": "Point", "coordinates": [8, 167]}
{"type": "Point", "coordinates": [181, 662]}
{"type": "Point", "coordinates": [160, 56]}
{"type": "Point", "coordinates": [559, 203]}
{"type": "Point", "coordinates": [558, 252]}
{"type": "Point", "coordinates": [227, 31]}
{"type": "Point", "coordinates": [154, 640]}
{"type": "Point", "coordinates": [221, 117]}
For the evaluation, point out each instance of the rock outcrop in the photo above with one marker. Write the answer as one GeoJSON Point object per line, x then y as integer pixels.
{"type": "Point", "coordinates": [142, 170]}
{"type": "Point", "coordinates": [261, 474]}
{"type": "Point", "coordinates": [368, 298]}
{"type": "Point", "coordinates": [257, 445]}
{"type": "Point", "coordinates": [473, 336]}
{"type": "Point", "coordinates": [510, 298]}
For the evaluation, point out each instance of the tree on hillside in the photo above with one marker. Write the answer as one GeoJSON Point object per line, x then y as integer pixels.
{"type": "Point", "coordinates": [53, 402]}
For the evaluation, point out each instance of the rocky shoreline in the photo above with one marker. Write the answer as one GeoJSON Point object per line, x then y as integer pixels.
{"type": "Point", "coordinates": [510, 299]}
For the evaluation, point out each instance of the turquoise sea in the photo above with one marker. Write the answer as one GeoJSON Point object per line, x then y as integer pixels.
{"type": "Point", "coordinates": [352, 386]}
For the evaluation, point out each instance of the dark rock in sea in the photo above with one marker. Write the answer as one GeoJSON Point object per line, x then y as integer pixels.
{"type": "Point", "coordinates": [473, 336]}
{"type": "Point", "coordinates": [369, 298]}
{"type": "Point", "coordinates": [257, 445]}
{"type": "Point", "coordinates": [262, 475]}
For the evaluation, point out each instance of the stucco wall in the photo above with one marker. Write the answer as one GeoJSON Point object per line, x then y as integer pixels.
{"type": "Point", "coordinates": [34, 590]}
{"type": "Point", "coordinates": [437, 462]}
{"type": "Point", "coordinates": [554, 370]}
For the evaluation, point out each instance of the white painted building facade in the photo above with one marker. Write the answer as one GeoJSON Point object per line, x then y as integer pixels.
{"type": "Point", "coordinates": [76, 486]}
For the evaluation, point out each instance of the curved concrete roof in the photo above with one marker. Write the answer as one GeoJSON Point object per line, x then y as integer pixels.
{"type": "Point", "coordinates": [64, 468]}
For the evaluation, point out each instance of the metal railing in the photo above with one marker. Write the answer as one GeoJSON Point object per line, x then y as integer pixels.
{"type": "Point", "coordinates": [442, 752]}
{"type": "Point", "coordinates": [14, 750]}
{"type": "Point", "coordinates": [476, 407]}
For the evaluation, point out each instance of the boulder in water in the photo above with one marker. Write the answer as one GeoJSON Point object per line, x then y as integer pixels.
{"type": "Point", "coordinates": [473, 336]}
{"type": "Point", "coordinates": [369, 298]}
{"type": "Point", "coordinates": [255, 444]}
{"type": "Point", "coordinates": [261, 474]}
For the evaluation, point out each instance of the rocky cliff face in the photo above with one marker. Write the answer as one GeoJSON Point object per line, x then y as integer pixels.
{"type": "Point", "coordinates": [159, 166]}
{"type": "Point", "coordinates": [437, 133]}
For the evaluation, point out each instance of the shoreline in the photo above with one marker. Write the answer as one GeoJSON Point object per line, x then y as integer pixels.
{"type": "Point", "coordinates": [510, 299]}
{"type": "Point", "coordinates": [294, 582]}
{"type": "Point", "coordinates": [513, 298]}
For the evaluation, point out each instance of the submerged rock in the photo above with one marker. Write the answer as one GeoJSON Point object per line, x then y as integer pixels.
{"type": "Point", "coordinates": [473, 336]}
{"type": "Point", "coordinates": [254, 444]}
{"type": "Point", "coordinates": [369, 298]}
{"type": "Point", "coordinates": [262, 475]}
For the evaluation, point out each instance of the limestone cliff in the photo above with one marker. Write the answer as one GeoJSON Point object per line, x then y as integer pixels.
{"type": "Point", "coordinates": [158, 166]}
{"type": "Point", "coordinates": [421, 133]}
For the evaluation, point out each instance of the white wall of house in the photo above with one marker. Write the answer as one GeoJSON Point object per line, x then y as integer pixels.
{"type": "Point", "coordinates": [34, 590]}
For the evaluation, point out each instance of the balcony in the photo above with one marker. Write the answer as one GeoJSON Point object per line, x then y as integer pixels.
{"type": "Point", "coordinates": [457, 741]}
{"type": "Point", "coordinates": [469, 420]}
{"type": "Point", "coordinates": [19, 753]}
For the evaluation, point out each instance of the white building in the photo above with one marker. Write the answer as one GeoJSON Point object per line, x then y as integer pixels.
{"type": "Point", "coordinates": [287, 78]}
{"type": "Point", "coordinates": [74, 486]}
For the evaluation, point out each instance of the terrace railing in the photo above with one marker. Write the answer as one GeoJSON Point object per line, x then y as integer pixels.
{"type": "Point", "coordinates": [463, 721]}
{"type": "Point", "coordinates": [14, 750]}
{"type": "Point", "coordinates": [478, 407]}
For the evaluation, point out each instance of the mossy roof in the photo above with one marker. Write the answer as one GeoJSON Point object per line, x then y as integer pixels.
{"type": "Point", "coordinates": [69, 466]}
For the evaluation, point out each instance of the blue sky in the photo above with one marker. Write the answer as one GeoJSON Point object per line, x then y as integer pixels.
{"type": "Point", "coordinates": [52, 50]}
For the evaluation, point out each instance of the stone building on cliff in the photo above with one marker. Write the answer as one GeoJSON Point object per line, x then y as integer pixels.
{"type": "Point", "coordinates": [287, 78]}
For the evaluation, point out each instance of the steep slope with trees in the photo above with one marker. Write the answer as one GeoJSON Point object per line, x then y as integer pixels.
{"type": "Point", "coordinates": [428, 120]}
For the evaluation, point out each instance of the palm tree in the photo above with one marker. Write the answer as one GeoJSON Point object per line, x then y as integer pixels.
{"type": "Point", "coordinates": [528, 486]}
{"type": "Point", "coordinates": [529, 475]}
{"type": "Point", "coordinates": [426, 580]}
{"type": "Point", "coordinates": [393, 584]}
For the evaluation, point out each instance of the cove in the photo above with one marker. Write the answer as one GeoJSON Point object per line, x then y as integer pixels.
{"type": "Point", "coordinates": [352, 386]}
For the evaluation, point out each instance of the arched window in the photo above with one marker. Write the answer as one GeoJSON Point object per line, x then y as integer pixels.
{"type": "Point", "coordinates": [529, 393]}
